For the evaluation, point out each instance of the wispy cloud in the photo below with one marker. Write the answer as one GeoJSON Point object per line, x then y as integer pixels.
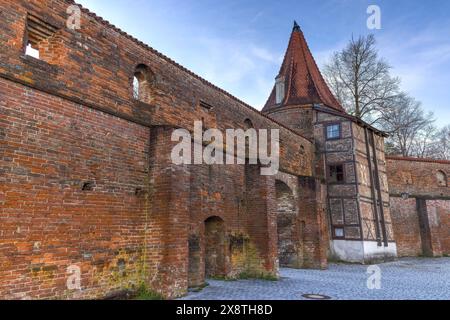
{"type": "Point", "coordinates": [266, 55]}
{"type": "Point", "coordinates": [244, 69]}
{"type": "Point", "coordinates": [419, 60]}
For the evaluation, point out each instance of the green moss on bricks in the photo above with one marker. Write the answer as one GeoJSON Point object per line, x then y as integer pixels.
{"type": "Point", "coordinates": [246, 260]}
{"type": "Point", "coordinates": [145, 293]}
{"type": "Point", "coordinates": [245, 257]}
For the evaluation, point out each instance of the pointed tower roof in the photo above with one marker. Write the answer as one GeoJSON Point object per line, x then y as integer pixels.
{"type": "Point", "coordinates": [304, 83]}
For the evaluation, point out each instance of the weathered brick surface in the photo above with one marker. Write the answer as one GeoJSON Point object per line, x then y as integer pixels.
{"type": "Point", "coordinates": [287, 212]}
{"type": "Point", "coordinates": [87, 178]}
{"type": "Point", "coordinates": [50, 148]}
{"type": "Point", "coordinates": [421, 205]}
{"type": "Point", "coordinates": [97, 66]}
{"type": "Point", "coordinates": [406, 227]}
{"type": "Point", "coordinates": [301, 221]}
{"type": "Point", "coordinates": [443, 214]}
{"type": "Point", "coordinates": [418, 177]}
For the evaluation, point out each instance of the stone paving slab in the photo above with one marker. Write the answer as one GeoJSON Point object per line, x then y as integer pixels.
{"type": "Point", "coordinates": [405, 279]}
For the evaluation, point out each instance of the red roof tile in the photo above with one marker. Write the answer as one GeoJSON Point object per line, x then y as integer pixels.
{"type": "Point", "coordinates": [304, 83]}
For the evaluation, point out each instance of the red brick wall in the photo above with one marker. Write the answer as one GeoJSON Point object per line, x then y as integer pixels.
{"type": "Point", "coordinates": [316, 232]}
{"type": "Point", "coordinates": [70, 119]}
{"type": "Point", "coordinates": [405, 221]}
{"type": "Point", "coordinates": [445, 229]}
{"type": "Point", "coordinates": [96, 65]}
{"type": "Point", "coordinates": [49, 149]}
{"type": "Point", "coordinates": [407, 227]}
{"type": "Point", "coordinates": [417, 179]}
{"type": "Point", "coordinates": [288, 227]}
{"type": "Point", "coordinates": [439, 210]}
{"type": "Point", "coordinates": [168, 217]}
{"type": "Point", "coordinates": [298, 118]}
{"type": "Point", "coordinates": [260, 216]}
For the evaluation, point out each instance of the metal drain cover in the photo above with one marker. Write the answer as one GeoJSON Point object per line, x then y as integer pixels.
{"type": "Point", "coordinates": [315, 296]}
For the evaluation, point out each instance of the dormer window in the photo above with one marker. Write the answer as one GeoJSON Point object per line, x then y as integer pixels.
{"type": "Point", "coordinates": [279, 90]}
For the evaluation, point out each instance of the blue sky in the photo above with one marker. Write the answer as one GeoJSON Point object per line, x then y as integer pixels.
{"type": "Point", "coordinates": [239, 44]}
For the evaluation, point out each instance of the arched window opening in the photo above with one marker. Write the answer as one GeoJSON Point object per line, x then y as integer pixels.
{"type": "Point", "coordinates": [248, 124]}
{"type": "Point", "coordinates": [143, 82]}
{"type": "Point", "coordinates": [135, 88]}
{"type": "Point", "coordinates": [441, 178]}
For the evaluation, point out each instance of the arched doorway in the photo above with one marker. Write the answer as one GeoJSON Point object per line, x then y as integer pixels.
{"type": "Point", "coordinates": [287, 226]}
{"type": "Point", "coordinates": [215, 245]}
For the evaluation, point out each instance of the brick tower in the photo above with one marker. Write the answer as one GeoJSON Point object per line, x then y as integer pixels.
{"type": "Point", "coordinates": [350, 156]}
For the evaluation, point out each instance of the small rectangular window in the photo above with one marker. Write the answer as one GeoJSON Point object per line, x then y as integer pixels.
{"type": "Point", "coordinates": [334, 131]}
{"type": "Point", "coordinates": [336, 173]}
{"type": "Point", "coordinates": [339, 232]}
{"type": "Point", "coordinates": [205, 105]}
{"type": "Point", "coordinates": [38, 30]}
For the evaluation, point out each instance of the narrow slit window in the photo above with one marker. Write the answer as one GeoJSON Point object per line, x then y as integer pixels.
{"type": "Point", "coordinates": [135, 88]}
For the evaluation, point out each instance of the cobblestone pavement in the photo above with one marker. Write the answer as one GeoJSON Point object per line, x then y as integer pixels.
{"type": "Point", "coordinates": [405, 279]}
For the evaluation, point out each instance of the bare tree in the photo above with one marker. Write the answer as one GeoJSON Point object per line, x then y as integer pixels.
{"type": "Point", "coordinates": [444, 142]}
{"type": "Point", "coordinates": [361, 80]}
{"type": "Point", "coordinates": [411, 130]}
{"type": "Point", "coordinates": [423, 144]}
{"type": "Point", "coordinates": [439, 148]}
